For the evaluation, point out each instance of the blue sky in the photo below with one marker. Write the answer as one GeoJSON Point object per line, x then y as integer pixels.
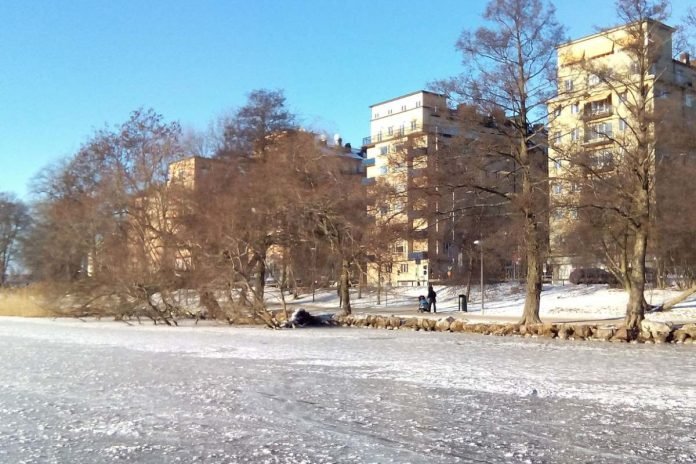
{"type": "Point", "coordinates": [70, 67]}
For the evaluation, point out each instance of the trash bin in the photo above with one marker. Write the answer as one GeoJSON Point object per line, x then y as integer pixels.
{"type": "Point", "coordinates": [462, 303]}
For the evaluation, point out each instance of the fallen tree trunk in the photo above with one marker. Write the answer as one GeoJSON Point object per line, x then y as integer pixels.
{"type": "Point", "coordinates": [678, 299]}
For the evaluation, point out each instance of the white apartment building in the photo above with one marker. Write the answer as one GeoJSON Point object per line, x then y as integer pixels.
{"type": "Point", "coordinates": [405, 134]}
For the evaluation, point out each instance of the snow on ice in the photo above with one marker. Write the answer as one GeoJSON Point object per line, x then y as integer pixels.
{"type": "Point", "coordinates": [84, 392]}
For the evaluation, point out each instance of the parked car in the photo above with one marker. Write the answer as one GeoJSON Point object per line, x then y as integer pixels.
{"type": "Point", "coordinates": [592, 275]}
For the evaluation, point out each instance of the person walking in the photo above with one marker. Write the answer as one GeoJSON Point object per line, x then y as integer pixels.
{"type": "Point", "coordinates": [432, 298]}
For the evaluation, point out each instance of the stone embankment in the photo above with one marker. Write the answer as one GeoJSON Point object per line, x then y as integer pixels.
{"type": "Point", "coordinates": [651, 332]}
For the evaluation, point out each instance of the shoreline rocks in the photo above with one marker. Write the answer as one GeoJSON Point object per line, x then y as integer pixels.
{"type": "Point", "coordinates": [651, 332]}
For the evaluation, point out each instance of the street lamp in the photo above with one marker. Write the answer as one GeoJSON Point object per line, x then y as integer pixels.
{"type": "Point", "coordinates": [314, 270]}
{"type": "Point", "coordinates": [480, 245]}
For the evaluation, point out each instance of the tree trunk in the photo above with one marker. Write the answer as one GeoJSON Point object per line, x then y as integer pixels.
{"type": "Point", "coordinates": [532, 243]}
{"type": "Point", "coordinates": [344, 288]}
{"type": "Point", "coordinates": [379, 284]}
{"type": "Point", "coordinates": [678, 299]}
{"type": "Point", "coordinates": [635, 309]}
{"type": "Point", "coordinates": [210, 303]}
{"type": "Point", "coordinates": [259, 280]}
{"type": "Point", "coordinates": [532, 300]}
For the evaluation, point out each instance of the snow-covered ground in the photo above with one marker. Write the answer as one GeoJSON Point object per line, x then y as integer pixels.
{"type": "Point", "coordinates": [561, 301]}
{"type": "Point", "coordinates": [92, 392]}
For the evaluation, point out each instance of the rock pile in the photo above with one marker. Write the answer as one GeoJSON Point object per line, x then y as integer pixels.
{"type": "Point", "coordinates": [651, 332]}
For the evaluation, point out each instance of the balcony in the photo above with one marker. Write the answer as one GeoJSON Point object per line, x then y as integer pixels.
{"type": "Point", "coordinates": [417, 255]}
{"type": "Point", "coordinates": [418, 234]}
{"type": "Point", "coordinates": [368, 162]}
{"type": "Point", "coordinates": [417, 213]}
{"type": "Point", "coordinates": [598, 138]}
{"type": "Point", "coordinates": [417, 172]}
{"type": "Point", "coordinates": [404, 131]}
{"type": "Point", "coordinates": [597, 113]}
{"type": "Point", "coordinates": [367, 181]}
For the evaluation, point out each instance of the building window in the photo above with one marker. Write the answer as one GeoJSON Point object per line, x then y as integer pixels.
{"type": "Point", "coordinates": [575, 135]}
{"type": "Point", "coordinates": [418, 104]}
{"type": "Point", "coordinates": [623, 97]}
{"type": "Point", "coordinates": [689, 100]}
{"type": "Point", "coordinates": [183, 263]}
{"type": "Point", "coordinates": [390, 130]}
{"type": "Point", "coordinates": [557, 165]}
{"type": "Point", "coordinates": [600, 107]}
{"type": "Point", "coordinates": [593, 80]}
{"type": "Point", "coordinates": [557, 189]}
{"type": "Point", "coordinates": [557, 111]}
{"type": "Point", "coordinates": [603, 159]}
{"type": "Point", "coordinates": [414, 124]}
{"type": "Point", "coordinates": [383, 150]}
{"type": "Point", "coordinates": [662, 93]}
{"type": "Point", "coordinates": [399, 247]}
{"type": "Point", "coordinates": [575, 108]}
{"type": "Point", "coordinates": [623, 125]}
{"type": "Point", "coordinates": [599, 131]}
{"type": "Point", "coordinates": [556, 137]}
{"type": "Point", "coordinates": [389, 111]}
{"type": "Point", "coordinates": [403, 107]}
{"type": "Point", "coordinates": [403, 268]}
{"type": "Point", "coordinates": [376, 115]}
{"type": "Point", "coordinates": [568, 85]}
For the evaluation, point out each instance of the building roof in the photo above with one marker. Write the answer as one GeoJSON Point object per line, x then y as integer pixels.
{"type": "Point", "coordinates": [408, 95]}
{"type": "Point", "coordinates": [607, 31]}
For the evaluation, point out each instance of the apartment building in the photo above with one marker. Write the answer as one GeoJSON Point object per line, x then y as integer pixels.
{"type": "Point", "coordinates": [200, 175]}
{"type": "Point", "coordinates": [598, 79]}
{"type": "Point", "coordinates": [405, 134]}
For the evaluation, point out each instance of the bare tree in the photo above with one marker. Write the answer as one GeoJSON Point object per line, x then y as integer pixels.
{"type": "Point", "coordinates": [509, 74]}
{"type": "Point", "coordinates": [255, 214]}
{"type": "Point", "coordinates": [105, 212]}
{"type": "Point", "coordinates": [14, 220]}
{"type": "Point", "coordinates": [616, 186]}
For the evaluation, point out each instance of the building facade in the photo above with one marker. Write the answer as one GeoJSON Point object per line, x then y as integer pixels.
{"type": "Point", "coordinates": [405, 134]}
{"type": "Point", "coordinates": [599, 79]}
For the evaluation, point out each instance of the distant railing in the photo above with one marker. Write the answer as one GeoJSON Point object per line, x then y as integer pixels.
{"type": "Point", "coordinates": [598, 138]}
{"type": "Point", "coordinates": [403, 131]}
{"type": "Point", "coordinates": [589, 115]}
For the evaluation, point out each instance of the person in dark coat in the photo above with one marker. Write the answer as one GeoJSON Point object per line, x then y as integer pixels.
{"type": "Point", "coordinates": [432, 298]}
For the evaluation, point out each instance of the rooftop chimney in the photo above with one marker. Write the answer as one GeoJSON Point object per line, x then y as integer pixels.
{"type": "Point", "coordinates": [685, 58]}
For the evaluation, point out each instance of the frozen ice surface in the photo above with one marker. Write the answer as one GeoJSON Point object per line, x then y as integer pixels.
{"type": "Point", "coordinates": [76, 392]}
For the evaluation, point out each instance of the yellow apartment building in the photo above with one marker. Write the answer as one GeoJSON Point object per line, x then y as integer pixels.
{"type": "Point", "coordinates": [597, 78]}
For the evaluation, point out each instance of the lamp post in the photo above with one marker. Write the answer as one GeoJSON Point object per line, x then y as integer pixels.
{"type": "Point", "coordinates": [480, 245]}
{"type": "Point", "coordinates": [314, 271]}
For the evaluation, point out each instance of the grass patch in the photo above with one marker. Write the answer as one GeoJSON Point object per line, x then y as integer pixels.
{"type": "Point", "coordinates": [23, 302]}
